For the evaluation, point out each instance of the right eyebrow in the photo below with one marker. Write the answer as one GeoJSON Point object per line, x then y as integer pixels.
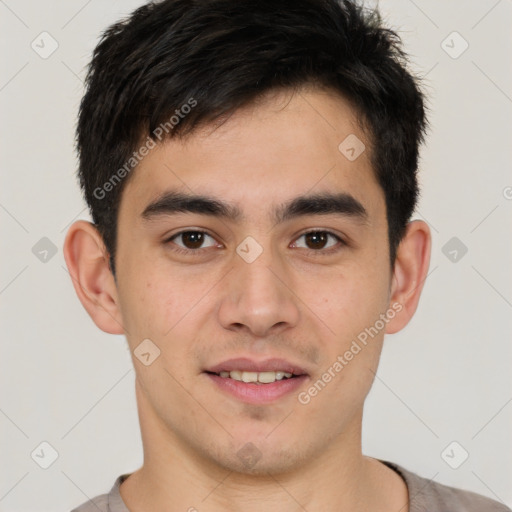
{"type": "Point", "coordinates": [177, 202]}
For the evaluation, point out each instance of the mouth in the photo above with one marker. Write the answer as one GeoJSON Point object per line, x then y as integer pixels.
{"type": "Point", "coordinates": [257, 382]}
{"type": "Point", "coordinates": [256, 377]}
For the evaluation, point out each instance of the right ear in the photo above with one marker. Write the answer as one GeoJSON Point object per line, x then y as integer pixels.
{"type": "Point", "coordinates": [87, 260]}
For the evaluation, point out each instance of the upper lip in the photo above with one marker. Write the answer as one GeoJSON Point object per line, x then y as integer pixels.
{"type": "Point", "coordinates": [245, 364]}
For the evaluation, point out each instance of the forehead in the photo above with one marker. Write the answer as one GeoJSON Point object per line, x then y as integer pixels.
{"type": "Point", "coordinates": [280, 147]}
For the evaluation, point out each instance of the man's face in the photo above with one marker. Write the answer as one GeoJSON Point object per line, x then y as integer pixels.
{"type": "Point", "coordinates": [213, 303]}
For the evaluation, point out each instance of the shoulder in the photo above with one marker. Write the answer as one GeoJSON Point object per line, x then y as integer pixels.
{"type": "Point", "coordinates": [111, 502]}
{"type": "Point", "coordinates": [427, 495]}
{"type": "Point", "coordinates": [98, 504]}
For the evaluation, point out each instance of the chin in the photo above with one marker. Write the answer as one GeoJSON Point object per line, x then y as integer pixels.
{"type": "Point", "coordinates": [271, 464]}
{"type": "Point", "coordinates": [261, 457]}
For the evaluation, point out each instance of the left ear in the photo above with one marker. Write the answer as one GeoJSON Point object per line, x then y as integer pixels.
{"type": "Point", "coordinates": [409, 274]}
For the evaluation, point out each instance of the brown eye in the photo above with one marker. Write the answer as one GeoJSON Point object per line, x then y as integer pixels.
{"type": "Point", "coordinates": [191, 240]}
{"type": "Point", "coordinates": [318, 240]}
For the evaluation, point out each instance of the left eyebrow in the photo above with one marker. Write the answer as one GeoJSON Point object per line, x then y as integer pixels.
{"type": "Point", "coordinates": [341, 204]}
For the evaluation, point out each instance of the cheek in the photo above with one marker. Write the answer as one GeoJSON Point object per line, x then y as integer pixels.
{"type": "Point", "coordinates": [347, 300]}
{"type": "Point", "coordinates": [169, 308]}
{"type": "Point", "coordinates": [352, 304]}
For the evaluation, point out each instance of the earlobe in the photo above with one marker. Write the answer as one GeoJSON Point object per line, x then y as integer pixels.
{"type": "Point", "coordinates": [409, 274]}
{"type": "Point", "coordinates": [87, 261]}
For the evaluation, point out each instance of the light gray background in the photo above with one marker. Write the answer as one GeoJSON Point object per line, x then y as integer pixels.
{"type": "Point", "coordinates": [445, 378]}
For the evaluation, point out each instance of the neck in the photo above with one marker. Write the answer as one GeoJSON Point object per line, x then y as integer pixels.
{"type": "Point", "coordinates": [178, 476]}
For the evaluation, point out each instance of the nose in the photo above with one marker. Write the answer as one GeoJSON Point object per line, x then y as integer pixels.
{"type": "Point", "coordinates": [259, 297]}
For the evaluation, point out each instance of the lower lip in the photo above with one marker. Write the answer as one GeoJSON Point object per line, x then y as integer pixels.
{"type": "Point", "coordinates": [252, 393]}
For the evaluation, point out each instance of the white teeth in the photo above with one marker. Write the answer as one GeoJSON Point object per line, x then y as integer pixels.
{"type": "Point", "coordinates": [266, 377]}
{"type": "Point", "coordinates": [236, 375]}
{"type": "Point", "coordinates": [256, 377]}
{"type": "Point", "coordinates": [250, 376]}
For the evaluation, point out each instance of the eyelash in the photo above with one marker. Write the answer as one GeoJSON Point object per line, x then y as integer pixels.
{"type": "Point", "coordinates": [198, 252]}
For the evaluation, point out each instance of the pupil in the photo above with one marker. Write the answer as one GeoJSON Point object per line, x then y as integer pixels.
{"type": "Point", "coordinates": [193, 239]}
{"type": "Point", "coordinates": [318, 239]}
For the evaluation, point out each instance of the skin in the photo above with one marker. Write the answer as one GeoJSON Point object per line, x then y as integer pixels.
{"type": "Point", "coordinates": [293, 302]}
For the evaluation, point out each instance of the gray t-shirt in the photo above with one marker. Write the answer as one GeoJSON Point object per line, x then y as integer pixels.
{"type": "Point", "coordinates": [424, 496]}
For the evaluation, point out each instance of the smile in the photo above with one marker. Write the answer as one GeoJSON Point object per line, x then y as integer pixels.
{"type": "Point", "coordinates": [257, 382]}
{"type": "Point", "coordinates": [257, 377]}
